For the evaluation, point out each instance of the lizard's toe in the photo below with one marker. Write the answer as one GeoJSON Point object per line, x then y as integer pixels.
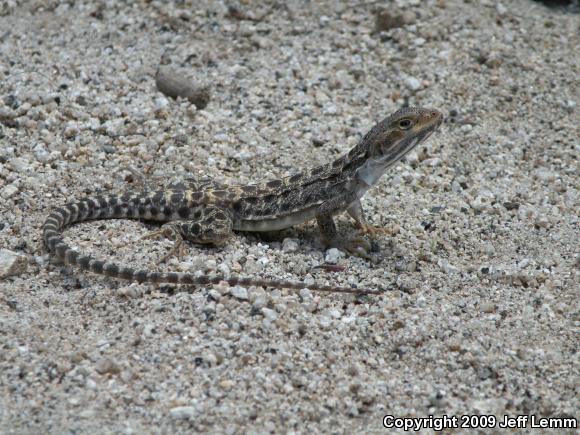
{"type": "Point", "coordinates": [177, 250]}
{"type": "Point", "coordinates": [359, 247]}
{"type": "Point", "coordinates": [372, 230]}
{"type": "Point", "coordinates": [170, 232]}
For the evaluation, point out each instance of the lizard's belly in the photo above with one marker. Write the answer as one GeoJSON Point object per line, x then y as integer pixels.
{"type": "Point", "coordinates": [270, 223]}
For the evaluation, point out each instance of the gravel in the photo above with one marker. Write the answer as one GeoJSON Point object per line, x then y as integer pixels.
{"type": "Point", "coordinates": [479, 272]}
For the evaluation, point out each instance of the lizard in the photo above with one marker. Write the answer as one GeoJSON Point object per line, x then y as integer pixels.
{"type": "Point", "coordinates": [207, 213]}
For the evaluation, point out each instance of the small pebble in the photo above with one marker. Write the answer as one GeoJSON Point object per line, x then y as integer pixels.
{"type": "Point", "coordinates": [289, 245]}
{"type": "Point", "coordinates": [413, 83]}
{"type": "Point", "coordinates": [182, 412]}
{"type": "Point", "coordinates": [269, 314]}
{"type": "Point", "coordinates": [260, 302]}
{"type": "Point", "coordinates": [333, 255]}
{"type": "Point", "coordinates": [12, 264]}
{"type": "Point", "coordinates": [386, 18]}
{"type": "Point", "coordinates": [487, 307]}
{"type": "Point", "coordinates": [447, 267]}
{"type": "Point", "coordinates": [107, 366]}
{"type": "Point", "coordinates": [545, 175]}
{"type": "Point", "coordinates": [9, 191]}
{"type": "Point", "coordinates": [501, 9]}
{"type": "Point", "coordinates": [239, 293]}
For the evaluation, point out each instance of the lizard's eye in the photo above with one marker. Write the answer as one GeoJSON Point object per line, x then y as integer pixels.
{"type": "Point", "coordinates": [405, 124]}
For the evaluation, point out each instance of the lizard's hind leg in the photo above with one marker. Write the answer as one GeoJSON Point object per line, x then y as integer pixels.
{"type": "Point", "coordinates": [207, 225]}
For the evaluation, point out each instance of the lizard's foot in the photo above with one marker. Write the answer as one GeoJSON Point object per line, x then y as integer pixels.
{"type": "Point", "coordinates": [169, 232]}
{"type": "Point", "coordinates": [373, 231]}
{"type": "Point", "coordinates": [358, 247]}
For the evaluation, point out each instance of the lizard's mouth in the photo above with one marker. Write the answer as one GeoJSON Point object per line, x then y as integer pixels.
{"type": "Point", "coordinates": [426, 133]}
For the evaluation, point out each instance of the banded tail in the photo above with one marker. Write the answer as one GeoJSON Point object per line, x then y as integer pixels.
{"type": "Point", "coordinates": [133, 207]}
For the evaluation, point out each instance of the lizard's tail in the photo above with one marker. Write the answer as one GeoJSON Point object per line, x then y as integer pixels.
{"type": "Point", "coordinates": [86, 210]}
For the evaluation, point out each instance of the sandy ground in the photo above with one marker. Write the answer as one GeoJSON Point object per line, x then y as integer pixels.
{"type": "Point", "coordinates": [479, 308]}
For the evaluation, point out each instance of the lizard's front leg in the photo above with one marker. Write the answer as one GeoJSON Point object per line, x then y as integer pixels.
{"type": "Point", "coordinates": [357, 246]}
{"type": "Point", "coordinates": [208, 225]}
{"type": "Point", "coordinates": [356, 212]}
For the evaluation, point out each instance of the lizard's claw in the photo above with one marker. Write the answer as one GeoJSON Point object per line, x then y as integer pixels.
{"type": "Point", "coordinates": [166, 232]}
{"type": "Point", "coordinates": [169, 232]}
{"type": "Point", "coordinates": [177, 250]}
{"type": "Point", "coordinates": [358, 247]}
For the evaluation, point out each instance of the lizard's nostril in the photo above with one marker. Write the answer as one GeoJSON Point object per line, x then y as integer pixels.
{"type": "Point", "coordinates": [437, 115]}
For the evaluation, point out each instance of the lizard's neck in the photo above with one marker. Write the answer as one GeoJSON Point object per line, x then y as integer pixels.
{"type": "Point", "coordinates": [370, 170]}
{"type": "Point", "coordinates": [358, 167]}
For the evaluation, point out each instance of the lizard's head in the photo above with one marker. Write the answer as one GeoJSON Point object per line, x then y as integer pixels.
{"type": "Point", "coordinates": [398, 134]}
{"type": "Point", "coordinates": [394, 137]}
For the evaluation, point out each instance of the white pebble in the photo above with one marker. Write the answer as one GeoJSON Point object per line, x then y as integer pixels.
{"type": "Point", "coordinates": [7, 113]}
{"type": "Point", "coordinates": [488, 249]}
{"type": "Point", "coordinates": [239, 293]}
{"type": "Point", "coordinates": [447, 267]}
{"type": "Point", "coordinates": [333, 255]}
{"type": "Point", "coordinates": [260, 302]}
{"type": "Point", "coordinates": [545, 175]}
{"type": "Point", "coordinates": [182, 412]}
{"type": "Point", "coordinates": [501, 9]}
{"type": "Point", "coordinates": [224, 269]}
{"type": "Point", "coordinates": [252, 266]}
{"type": "Point", "coordinates": [269, 314]}
{"type": "Point", "coordinates": [413, 83]}
{"type": "Point", "coordinates": [336, 314]}
{"type": "Point", "coordinates": [9, 191]}
{"type": "Point", "coordinates": [289, 245]}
